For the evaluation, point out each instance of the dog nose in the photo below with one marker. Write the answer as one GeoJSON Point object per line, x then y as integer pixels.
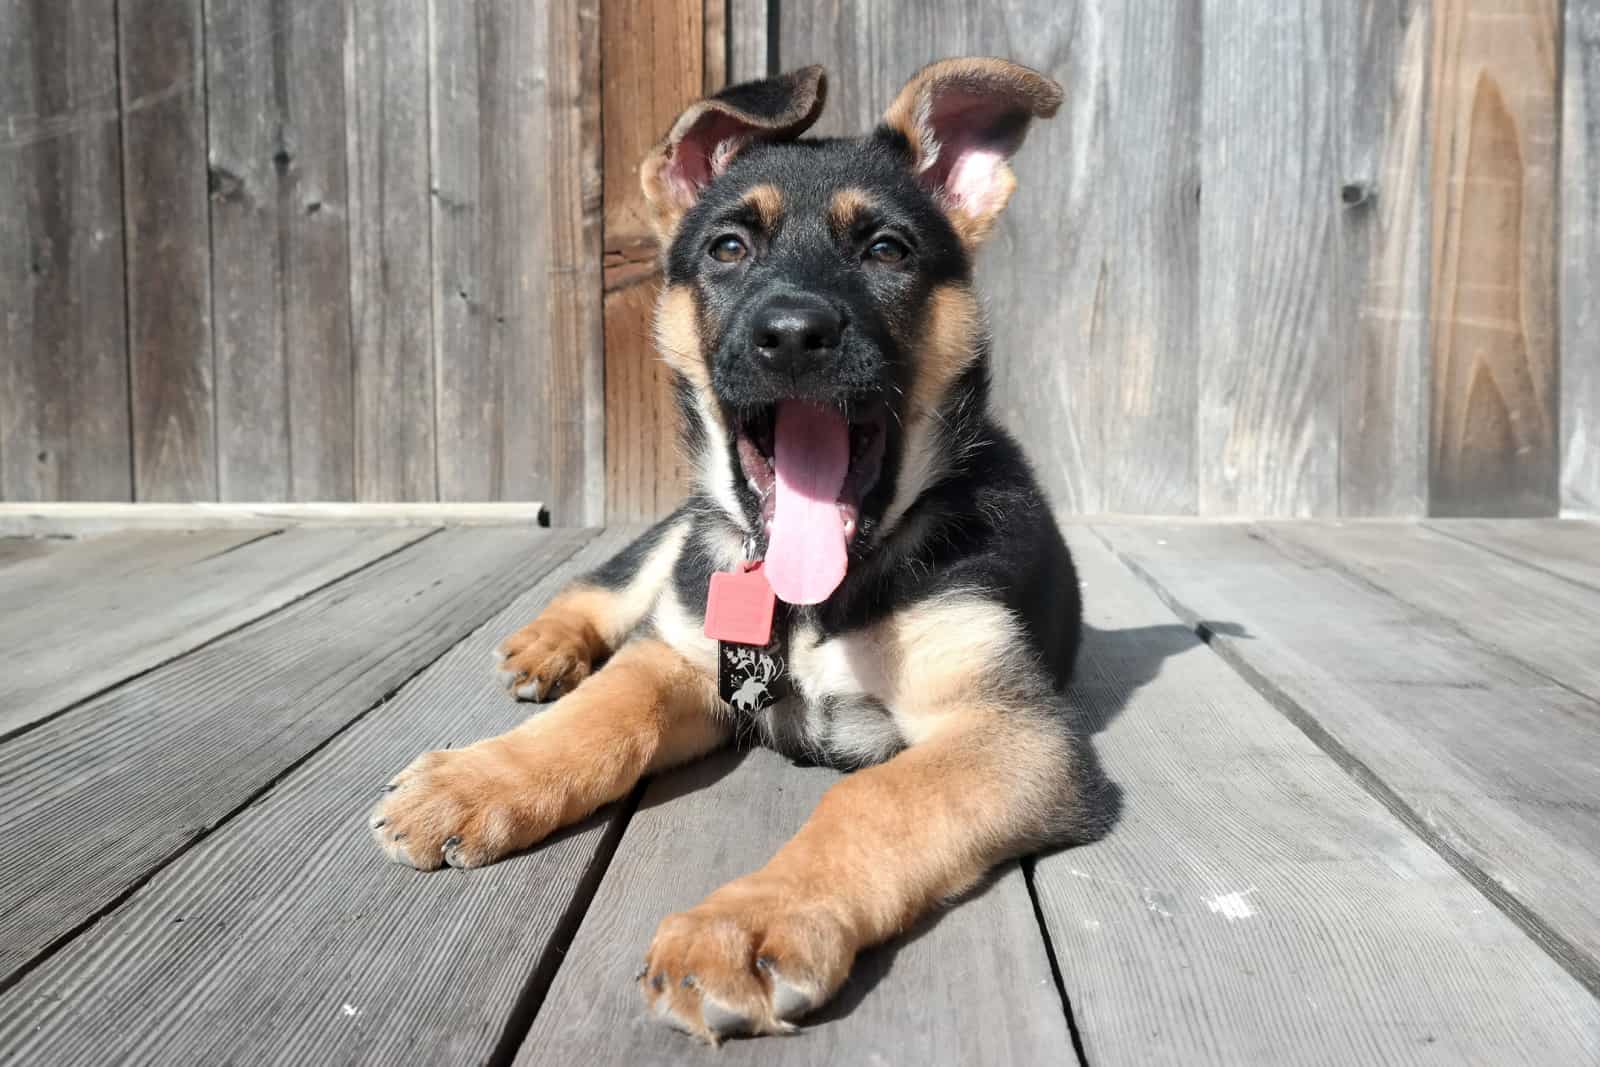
{"type": "Point", "coordinates": [788, 333]}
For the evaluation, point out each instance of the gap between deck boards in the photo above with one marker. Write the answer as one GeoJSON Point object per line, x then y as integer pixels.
{"type": "Point", "coordinates": [111, 905]}
{"type": "Point", "coordinates": [1571, 959]}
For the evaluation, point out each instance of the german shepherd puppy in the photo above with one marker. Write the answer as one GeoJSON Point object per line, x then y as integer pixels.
{"type": "Point", "coordinates": [831, 363]}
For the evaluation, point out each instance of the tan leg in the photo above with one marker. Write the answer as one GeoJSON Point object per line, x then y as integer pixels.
{"type": "Point", "coordinates": [884, 846]}
{"type": "Point", "coordinates": [648, 709]}
{"type": "Point", "coordinates": [556, 651]}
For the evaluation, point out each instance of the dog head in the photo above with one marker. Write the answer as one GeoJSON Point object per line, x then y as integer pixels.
{"type": "Point", "coordinates": [818, 306]}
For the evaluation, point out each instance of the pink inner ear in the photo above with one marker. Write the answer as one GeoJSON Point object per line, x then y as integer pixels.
{"type": "Point", "coordinates": [974, 184]}
{"type": "Point", "coordinates": [976, 133]}
{"type": "Point", "coordinates": [702, 154]}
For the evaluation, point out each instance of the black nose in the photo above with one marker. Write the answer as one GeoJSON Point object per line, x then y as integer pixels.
{"type": "Point", "coordinates": [789, 333]}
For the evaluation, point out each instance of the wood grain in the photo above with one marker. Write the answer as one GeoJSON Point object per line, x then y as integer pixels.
{"type": "Point", "coordinates": [1380, 291]}
{"type": "Point", "coordinates": [80, 519]}
{"type": "Point", "coordinates": [1516, 609]}
{"type": "Point", "coordinates": [1567, 547]}
{"type": "Point", "coordinates": [654, 66]}
{"type": "Point", "coordinates": [134, 622]}
{"type": "Point", "coordinates": [285, 937]}
{"type": "Point", "coordinates": [1269, 411]}
{"type": "Point", "coordinates": [110, 792]}
{"type": "Point", "coordinates": [64, 429]}
{"type": "Point", "coordinates": [1494, 448]}
{"type": "Point", "coordinates": [280, 234]}
{"type": "Point", "coordinates": [168, 250]}
{"type": "Point", "coordinates": [577, 421]}
{"type": "Point", "coordinates": [749, 45]}
{"type": "Point", "coordinates": [391, 284]}
{"type": "Point", "coordinates": [1579, 236]}
{"type": "Point", "coordinates": [1492, 764]}
{"type": "Point", "coordinates": [1253, 903]}
{"type": "Point", "coordinates": [517, 411]}
{"type": "Point", "coordinates": [724, 817]}
{"type": "Point", "coordinates": [1090, 276]}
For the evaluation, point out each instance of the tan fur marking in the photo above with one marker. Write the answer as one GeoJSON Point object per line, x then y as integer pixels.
{"type": "Point", "coordinates": [947, 346]}
{"type": "Point", "coordinates": [585, 623]}
{"type": "Point", "coordinates": [646, 710]}
{"type": "Point", "coordinates": [767, 202]}
{"type": "Point", "coordinates": [846, 209]}
{"type": "Point", "coordinates": [677, 334]}
{"type": "Point", "coordinates": [885, 845]}
{"type": "Point", "coordinates": [555, 652]}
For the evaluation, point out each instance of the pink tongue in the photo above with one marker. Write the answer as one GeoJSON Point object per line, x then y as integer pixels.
{"type": "Point", "coordinates": [806, 552]}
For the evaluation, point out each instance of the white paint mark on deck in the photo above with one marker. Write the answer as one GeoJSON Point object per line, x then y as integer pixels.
{"type": "Point", "coordinates": [1232, 906]}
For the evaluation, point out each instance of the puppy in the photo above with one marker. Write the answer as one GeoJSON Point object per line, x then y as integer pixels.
{"type": "Point", "coordinates": [865, 573]}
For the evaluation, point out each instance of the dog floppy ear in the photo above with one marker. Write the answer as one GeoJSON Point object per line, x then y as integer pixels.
{"type": "Point", "coordinates": [962, 119]}
{"type": "Point", "coordinates": [710, 133]}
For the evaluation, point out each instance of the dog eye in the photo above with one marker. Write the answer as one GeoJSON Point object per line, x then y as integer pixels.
{"type": "Point", "coordinates": [887, 250]}
{"type": "Point", "coordinates": [728, 249]}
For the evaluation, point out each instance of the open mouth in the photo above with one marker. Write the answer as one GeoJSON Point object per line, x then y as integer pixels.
{"type": "Point", "coordinates": [810, 466]}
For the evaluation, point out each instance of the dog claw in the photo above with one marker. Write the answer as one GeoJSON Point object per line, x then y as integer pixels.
{"type": "Point", "coordinates": [723, 1021]}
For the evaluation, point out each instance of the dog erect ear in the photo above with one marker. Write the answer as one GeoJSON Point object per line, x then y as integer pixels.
{"type": "Point", "coordinates": [962, 120]}
{"type": "Point", "coordinates": [710, 133]}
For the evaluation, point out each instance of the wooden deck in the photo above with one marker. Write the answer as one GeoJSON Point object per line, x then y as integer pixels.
{"type": "Point", "coordinates": [1359, 771]}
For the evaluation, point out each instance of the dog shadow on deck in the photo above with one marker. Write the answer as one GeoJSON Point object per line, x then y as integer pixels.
{"type": "Point", "coordinates": [1112, 666]}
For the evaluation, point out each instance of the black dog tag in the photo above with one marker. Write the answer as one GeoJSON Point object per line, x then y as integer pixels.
{"type": "Point", "coordinates": [750, 677]}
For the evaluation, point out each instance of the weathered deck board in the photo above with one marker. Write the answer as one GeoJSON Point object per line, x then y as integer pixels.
{"type": "Point", "coordinates": [1520, 611]}
{"type": "Point", "coordinates": [1253, 904]}
{"type": "Point", "coordinates": [96, 629]}
{"type": "Point", "coordinates": [1568, 547]}
{"type": "Point", "coordinates": [971, 986]}
{"type": "Point", "coordinates": [287, 937]}
{"type": "Point", "coordinates": [100, 797]}
{"type": "Point", "coordinates": [64, 564]}
{"type": "Point", "coordinates": [1496, 766]}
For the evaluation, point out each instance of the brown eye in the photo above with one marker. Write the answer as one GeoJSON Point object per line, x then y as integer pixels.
{"type": "Point", "coordinates": [729, 249]}
{"type": "Point", "coordinates": [887, 250]}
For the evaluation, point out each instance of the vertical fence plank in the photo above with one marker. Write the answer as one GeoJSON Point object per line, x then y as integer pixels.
{"type": "Point", "coordinates": [1090, 277]}
{"type": "Point", "coordinates": [1269, 368]}
{"type": "Point", "coordinates": [1380, 295]}
{"type": "Point", "coordinates": [748, 43]}
{"type": "Point", "coordinates": [279, 249]}
{"type": "Point", "coordinates": [517, 409]}
{"type": "Point", "coordinates": [168, 249]}
{"type": "Point", "coordinates": [390, 258]}
{"type": "Point", "coordinates": [1580, 260]}
{"type": "Point", "coordinates": [64, 429]}
{"type": "Point", "coordinates": [1493, 439]}
{"type": "Point", "coordinates": [575, 311]}
{"type": "Point", "coordinates": [1141, 310]}
{"type": "Point", "coordinates": [653, 67]}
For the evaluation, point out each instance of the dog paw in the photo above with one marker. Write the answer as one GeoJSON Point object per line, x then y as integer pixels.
{"type": "Point", "coordinates": [543, 660]}
{"type": "Point", "coordinates": [744, 962]}
{"type": "Point", "coordinates": [463, 807]}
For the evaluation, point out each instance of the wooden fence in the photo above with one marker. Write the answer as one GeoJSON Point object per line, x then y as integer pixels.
{"type": "Point", "coordinates": [1310, 257]}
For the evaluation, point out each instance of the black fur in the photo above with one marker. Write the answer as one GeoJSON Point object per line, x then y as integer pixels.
{"type": "Point", "coordinates": [983, 525]}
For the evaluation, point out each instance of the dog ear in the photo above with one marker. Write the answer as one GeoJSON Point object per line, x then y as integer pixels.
{"type": "Point", "coordinates": [961, 120]}
{"type": "Point", "coordinates": [710, 133]}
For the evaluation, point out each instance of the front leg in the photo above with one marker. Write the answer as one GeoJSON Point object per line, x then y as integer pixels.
{"type": "Point", "coordinates": [590, 619]}
{"type": "Point", "coordinates": [646, 710]}
{"type": "Point", "coordinates": [884, 846]}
